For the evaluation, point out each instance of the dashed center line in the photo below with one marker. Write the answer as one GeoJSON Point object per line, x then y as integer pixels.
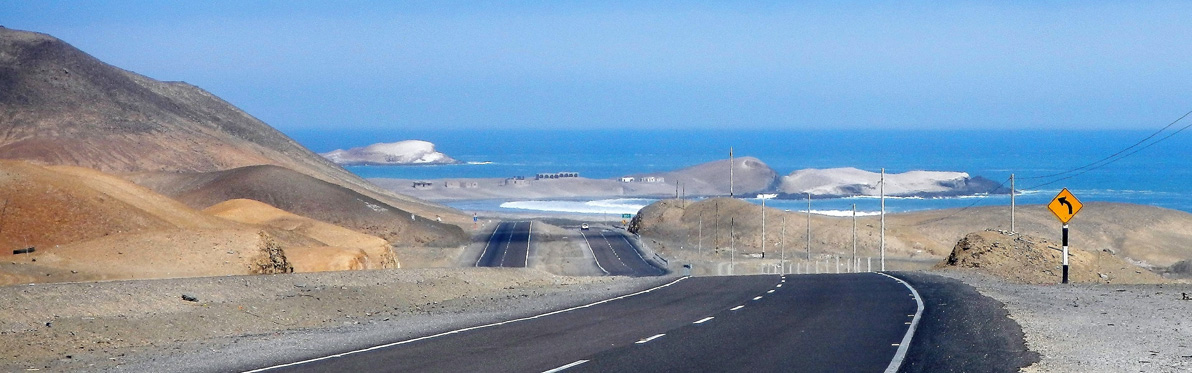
{"type": "Point", "coordinates": [704, 320]}
{"type": "Point", "coordinates": [757, 297]}
{"type": "Point", "coordinates": [771, 291]}
{"type": "Point", "coordinates": [649, 339]}
{"type": "Point", "coordinates": [565, 367]}
{"type": "Point", "coordinates": [737, 308]}
{"type": "Point", "coordinates": [779, 285]}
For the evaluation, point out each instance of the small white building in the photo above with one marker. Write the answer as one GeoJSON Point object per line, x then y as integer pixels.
{"type": "Point", "coordinates": [627, 179]}
{"type": "Point", "coordinates": [423, 185]}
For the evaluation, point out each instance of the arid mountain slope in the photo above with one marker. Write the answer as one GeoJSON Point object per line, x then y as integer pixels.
{"type": "Point", "coordinates": [87, 225]}
{"type": "Point", "coordinates": [338, 248]}
{"type": "Point", "coordinates": [307, 196]}
{"type": "Point", "coordinates": [1029, 259]}
{"type": "Point", "coordinates": [60, 106]}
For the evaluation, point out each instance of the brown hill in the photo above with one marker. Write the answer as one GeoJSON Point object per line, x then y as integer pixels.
{"type": "Point", "coordinates": [63, 107]}
{"type": "Point", "coordinates": [337, 248]}
{"type": "Point", "coordinates": [307, 196]}
{"type": "Point", "coordinates": [87, 225]}
{"type": "Point", "coordinates": [750, 176]}
{"type": "Point", "coordinates": [1032, 260]}
{"type": "Point", "coordinates": [1150, 236]}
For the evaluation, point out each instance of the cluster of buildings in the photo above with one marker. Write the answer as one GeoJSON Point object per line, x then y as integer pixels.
{"type": "Point", "coordinates": [511, 181]}
{"type": "Point", "coordinates": [643, 179]}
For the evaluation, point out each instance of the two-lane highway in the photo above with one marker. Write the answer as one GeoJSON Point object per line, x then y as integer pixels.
{"type": "Point", "coordinates": [616, 256]}
{"type": "Point", "coordinates": [853, 322]}
{"type": "Point", "coordinates": [508, 246]}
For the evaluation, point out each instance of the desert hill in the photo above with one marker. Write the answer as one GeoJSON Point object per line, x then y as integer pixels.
{"type": "Point", "coordinates": [307, 196]}
{"type": "Point", "coordinates": [64, 107]}
{"type": "Point", "coordinates": [1149, 236]}
{"type": "Point", "coordinates": [337, 248]}
{"type": "Point", "coordinates": [750, 176]}
{"type": "Point", "coordinates": [1032, 260]}
{"type": "Point", "coordinates": [87, 225]}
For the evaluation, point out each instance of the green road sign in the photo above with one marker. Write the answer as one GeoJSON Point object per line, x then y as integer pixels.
{"type": "Point", "coordinates": [626, 216]}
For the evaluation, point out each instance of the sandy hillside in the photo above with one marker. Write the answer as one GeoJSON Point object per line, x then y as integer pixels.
{"type": "Point", "coordinates": [1152, 237]}
{"type": "Point", "coordinates": [340, 248]}
{"type": "Point", "coordinates": [306, 196]}
{"type": "Point", "coordinates": [1032, 260]}
{"type": "Point", "coordinates": [65, 107]}
{"type": "Point", "coordinates": [87, 225]}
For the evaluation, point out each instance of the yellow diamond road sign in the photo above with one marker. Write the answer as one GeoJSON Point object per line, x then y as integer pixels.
{"type": "Point", "coordinates": [1065, 206]}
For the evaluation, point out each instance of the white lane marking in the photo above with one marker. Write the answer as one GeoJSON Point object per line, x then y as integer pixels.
{"type": "Point", "coordinates": [610, 248]}
{"type": "Point", "coordinates": [490, 241]}
{"type": "Point", "coordinates": [771, 291]}
{"type": "Point", "coordinates": [757, 297]}
{"type": "Point", "coordinates": [565, 367]}
{"type": "Point", "coordinates": [457, 331]}
{"type": "Point", "coordinates": [639, 254]}
{"type": "Point", "coordinates": [649, 339]}
{"type": "Point", "coordinates": [507, 242]}
{"type": "Point", "coordinates": [737, 308]}
{"type": "Point", "coordinates": [779, 285]}
{"type": "Point", "coordinates": [900, 355]}
{"type": "Point", "coordinates": [529, 238]}
{"type": "Point", "coordinates": [703, 320]}
{"type": "Point", "coordinates": [581, 233]}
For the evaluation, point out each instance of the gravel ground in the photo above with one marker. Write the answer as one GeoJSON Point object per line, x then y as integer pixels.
{"type": "Point", "coordinates": [241, 322]}
{"type": "Point", "coordinates": [1097, 327]}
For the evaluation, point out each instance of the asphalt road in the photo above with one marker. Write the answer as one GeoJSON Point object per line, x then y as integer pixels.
{"type": "Point", "coordinates": [616, 256]}
{"type": "Point", "coordinates": [812, 323]}
{"type": "Point", "coordinates": [508, 246]}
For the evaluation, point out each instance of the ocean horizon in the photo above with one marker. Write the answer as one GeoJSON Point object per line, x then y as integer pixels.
{"type": "Point", "coordinates": [1157, 175]}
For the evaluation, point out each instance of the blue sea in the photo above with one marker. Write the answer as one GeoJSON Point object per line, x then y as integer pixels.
{"type": "Point", "coordinates": [1158, 174]}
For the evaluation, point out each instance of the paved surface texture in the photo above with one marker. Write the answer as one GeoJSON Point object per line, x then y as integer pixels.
{"type": "Point", "coordinates": [812, 323]}
{"type": "Point", "coordinates": [963, 331]}
{"type": "Point", "coordinates": [617, 256]}
{"type": "Point", "coordinates": [508, 246]}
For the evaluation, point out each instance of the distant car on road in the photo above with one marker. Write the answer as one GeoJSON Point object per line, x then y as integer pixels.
{"type": "Point", "coordinates": [583, 226]}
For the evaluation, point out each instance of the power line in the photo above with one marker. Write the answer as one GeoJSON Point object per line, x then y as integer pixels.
{"type": "Point", "coordinates": [1111, 158]}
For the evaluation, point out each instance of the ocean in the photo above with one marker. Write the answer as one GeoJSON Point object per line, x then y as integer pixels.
{"type": "Point", "coordinates": [1159, 174]}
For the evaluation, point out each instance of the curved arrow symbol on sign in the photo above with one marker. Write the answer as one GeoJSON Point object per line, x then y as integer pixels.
{"type": "Point", "coordinates": [1064, 201]}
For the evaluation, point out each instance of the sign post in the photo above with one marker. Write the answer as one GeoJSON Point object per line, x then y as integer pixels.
{"type": "Point", "coordinates": [1065, 206]}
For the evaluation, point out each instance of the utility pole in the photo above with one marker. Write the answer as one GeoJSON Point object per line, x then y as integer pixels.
{"type": "Point", "coordinates": [730, 172]}
{"type": "Point", "coordinates": [882, 190]}
{"type": "Point", "coordinates": [853, 263]}
{"type": "Point", "coordinates": [763, 226]}
{"type": "Point", "coordinates": [701, 233]}
{"type": "Point", "coordinates": [809, 226]}
{"type": "Point", "coordinates": [1012, 204]}
{"type": "Point", "coordinates": [782, 246]}
{"type": "Point", "coordinates": [732, 245]}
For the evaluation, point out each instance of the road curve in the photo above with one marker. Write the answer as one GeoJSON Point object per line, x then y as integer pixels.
{"type": "Point", "coordinates": [616, 256]}
{"type": "Point", "coordinates": [508, 246]}
{"type": "Point", "coordinates": [850, 322]}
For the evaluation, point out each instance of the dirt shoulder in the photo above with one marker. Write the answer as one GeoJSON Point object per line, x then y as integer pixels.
{"type": "Point", "coordinates": [145, 325]}
{"type": "Point", "coordinates": [1097, 327]}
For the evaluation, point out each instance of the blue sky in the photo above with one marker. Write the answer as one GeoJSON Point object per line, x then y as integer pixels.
{"type": "Point", "coordinates": [561, 64]}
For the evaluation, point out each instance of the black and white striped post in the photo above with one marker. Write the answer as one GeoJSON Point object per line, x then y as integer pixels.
{"type": "Point", "coordinates": [1065, 206]}
{"type": "Point", "coordinates": [1065, 280]}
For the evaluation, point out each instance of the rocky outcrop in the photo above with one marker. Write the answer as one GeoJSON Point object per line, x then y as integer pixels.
{"type": "Point", "coordinates": [849, 182]}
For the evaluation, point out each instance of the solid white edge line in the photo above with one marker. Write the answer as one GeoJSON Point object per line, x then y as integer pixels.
{"type": "Point", "coordinates": [377, 347]}
{"type": "Point", "coordinates": [639, 254]}
{"type": "Point", "coordinates": [490, 241]}
{"type": "Point", "coordinates": [565, 367]}
{"type": "Point", "coordinates": [704, 320]}
{"type": "Point", "coordinates": [529, 240]}
{"type": "Point", "coordinates": [593, 252]}
{"type": "Point", "coordinates": [650, 339]}
{"type": "Point", "coordinates": [737, 308]}
{"type": "Point", "coordinates": [900, 355]}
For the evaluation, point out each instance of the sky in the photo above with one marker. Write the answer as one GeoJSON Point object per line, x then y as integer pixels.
{"type": "Point", "coordinates": [300, 65]}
